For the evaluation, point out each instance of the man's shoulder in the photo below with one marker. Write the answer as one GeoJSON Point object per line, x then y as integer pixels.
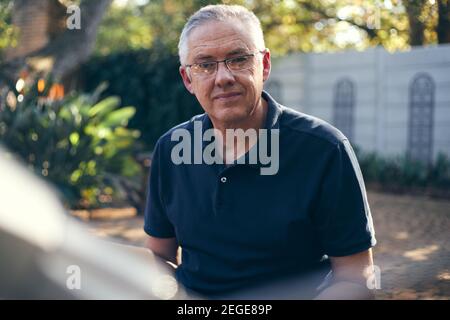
{"type": "Point", "coordinates": [305, 124]}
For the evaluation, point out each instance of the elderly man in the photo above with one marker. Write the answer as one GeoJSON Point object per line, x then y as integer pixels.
{"type": "Point", "coordinates": [236, 225]}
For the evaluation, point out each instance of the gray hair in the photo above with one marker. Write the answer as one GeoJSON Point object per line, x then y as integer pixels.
{"type": "Point", "coordinates": [220, 12]}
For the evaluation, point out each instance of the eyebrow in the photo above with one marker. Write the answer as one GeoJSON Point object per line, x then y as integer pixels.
{"type": "Point", "coordinates": [230, 53]}
{"type": "Point", "coordinates": [203, 57]}
{"type": "Point", "coordinates": [237, 51]}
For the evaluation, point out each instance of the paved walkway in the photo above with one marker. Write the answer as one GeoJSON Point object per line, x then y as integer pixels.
{"type": "Point", "coordinates": [413, 250]}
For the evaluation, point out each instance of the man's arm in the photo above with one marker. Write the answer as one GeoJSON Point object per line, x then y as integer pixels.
{"type": "Point", "coordinates": [165, 248]}
{"type": "Point", "coordinates": [350, 277]}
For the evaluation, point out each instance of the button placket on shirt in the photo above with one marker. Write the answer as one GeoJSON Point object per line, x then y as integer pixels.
{"type": "Point", "coordinates": [222, 184]}
{"type": "Point", "coordinates": [220, 193]}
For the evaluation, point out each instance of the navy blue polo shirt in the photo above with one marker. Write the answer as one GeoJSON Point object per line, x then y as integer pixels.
{"type": "Point", "coordinates": [237, 227]}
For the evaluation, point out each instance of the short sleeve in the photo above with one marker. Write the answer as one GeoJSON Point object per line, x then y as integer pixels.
{"type": "Point", "coordinates": [342, 217]}
{"type": "Point", "coordinates": [156, 222]}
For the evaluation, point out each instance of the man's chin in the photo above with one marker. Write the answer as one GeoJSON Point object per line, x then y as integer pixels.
{"type": "Point", "coordinates": [228, 116]}
{"type": "Point", "coordinates": [226, 113]}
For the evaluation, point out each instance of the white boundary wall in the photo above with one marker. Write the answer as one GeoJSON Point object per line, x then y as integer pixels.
{"type": "Point", "coordinates": [382, 98]}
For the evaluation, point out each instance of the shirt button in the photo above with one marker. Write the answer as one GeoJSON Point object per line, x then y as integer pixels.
{"type": "Point", "coordinates": [223, 179]}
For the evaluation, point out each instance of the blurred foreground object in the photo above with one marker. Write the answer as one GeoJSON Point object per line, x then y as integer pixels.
{"type": "Point", "coordinates": [45, 254]}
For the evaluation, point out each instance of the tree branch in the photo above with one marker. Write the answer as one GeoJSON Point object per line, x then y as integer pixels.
{"type": "Point", "coordinates": [324, 15]}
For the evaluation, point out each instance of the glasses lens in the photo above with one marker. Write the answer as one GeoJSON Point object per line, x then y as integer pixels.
{"type": "Point", "coordinates": [240, 63]}
{"type": "Point", "coordinates": [204, 68]}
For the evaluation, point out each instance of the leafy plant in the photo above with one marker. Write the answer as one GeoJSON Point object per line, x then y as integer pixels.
{"type": "Point", "coordinates": [80, 144]}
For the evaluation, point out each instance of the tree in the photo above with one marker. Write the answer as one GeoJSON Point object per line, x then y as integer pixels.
{"type": "Point", "coordinates": [289, 26]}
{"type": "Point", "coordinates": [66, 50]}
{"type": "Point", "coordinates": [443, 25]}
{"type": "Point", "coordinates": [429, 21]}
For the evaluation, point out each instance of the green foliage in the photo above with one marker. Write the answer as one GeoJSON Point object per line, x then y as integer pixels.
{"type": "Point", "coordinates": [148, 80]}
{"type": "Point", "coordinates": [440, 173]}
{"type": "Point", "coordinates": [289, 26]}
{"type": "Point", "coordinates": [80, 144]}
{"type": "Point", "coordinates": [401, 172]}
{"type": "Point", "coordinates": [136, 27]}
{"type": "Point", "coordinates": [123, 28]}
{"type": "Point", "coordinates": [8, 34]}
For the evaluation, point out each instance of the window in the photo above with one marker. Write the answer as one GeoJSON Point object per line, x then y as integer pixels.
{"type": "Point", "coordinates": [343, 105]}
{"type": "Point", "coordinates": [420, 126]}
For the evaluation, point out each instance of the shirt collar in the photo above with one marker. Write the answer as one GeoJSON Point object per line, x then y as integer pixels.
{"type": "Point", "coordinates": [273, 112]}
{"type": "Point", "coordinates": [272, 121]}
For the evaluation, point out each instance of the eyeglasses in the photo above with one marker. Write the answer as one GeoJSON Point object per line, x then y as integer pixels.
{"type": "Point", "coordinates": [239, 63]}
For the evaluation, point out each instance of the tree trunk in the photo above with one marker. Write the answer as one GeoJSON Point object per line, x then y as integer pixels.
{"type": "Point", "coordinates": [443, 26]}
{"type": "Point", "coordinates": [65, 51]}
{"type": "Point", "coordinates": [416, 27]}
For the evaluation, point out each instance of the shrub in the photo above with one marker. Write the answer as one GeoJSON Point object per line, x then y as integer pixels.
{"type": "Point", "coordinates": [80, 144]}
{"type": "Point", "coordinates": [402, 172]}
{"type": "Point", "coordinates": [439, 174]}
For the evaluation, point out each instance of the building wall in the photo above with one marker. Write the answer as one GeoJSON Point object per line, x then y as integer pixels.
{"type": "Point", "coordinates": [38, 22]}
{"type": "Point", "coordinates": [31, 18]}
{"type": "Point", "coordinates": [382, 98]}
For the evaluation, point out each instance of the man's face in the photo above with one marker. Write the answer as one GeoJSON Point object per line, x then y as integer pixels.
{"type": "Point", "coordinates": [227, 96]}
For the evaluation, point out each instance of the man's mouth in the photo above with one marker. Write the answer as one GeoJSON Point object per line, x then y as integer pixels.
{"type": "Point", "coordinates": [227, 96]}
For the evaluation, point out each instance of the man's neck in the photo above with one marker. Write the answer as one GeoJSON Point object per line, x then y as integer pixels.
{"type": "Point", "coordinates": [254, 121]}
{"type": "Point", "coordinates": [233, 150]}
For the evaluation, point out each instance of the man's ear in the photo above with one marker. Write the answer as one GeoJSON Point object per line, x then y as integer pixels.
{"type": "Point", "coordinates": [186, 79]}
{"type": "Point", "coordinates": [267, 65]}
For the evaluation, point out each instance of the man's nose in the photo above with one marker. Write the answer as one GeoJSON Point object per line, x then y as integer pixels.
{"type": "Point", "coordinates": [224, 76]}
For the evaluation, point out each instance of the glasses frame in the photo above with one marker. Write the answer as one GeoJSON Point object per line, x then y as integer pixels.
{"type": "Point", "coordinates": [225, 61]}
